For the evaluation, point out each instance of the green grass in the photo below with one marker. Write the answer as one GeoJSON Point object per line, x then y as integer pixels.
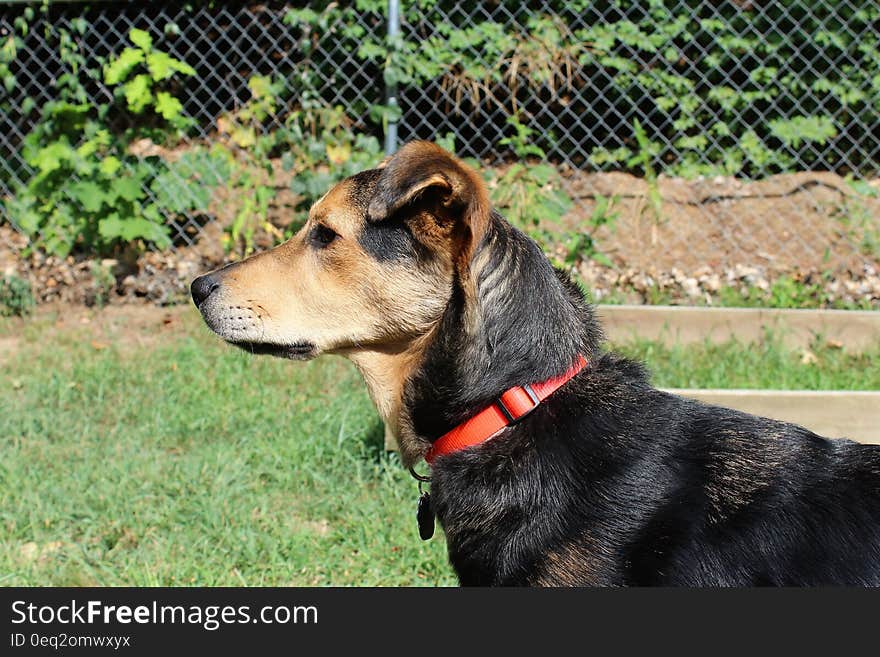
{"type": "Point", "coordinates": [764, 365]}
{"type": "Point", "coordinates": [162, 457]}
{"type": "Point", "coordinates": [192, 463]}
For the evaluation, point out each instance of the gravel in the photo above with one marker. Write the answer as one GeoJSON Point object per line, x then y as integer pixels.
{"type": "Point", "coordinates": [163, 278]}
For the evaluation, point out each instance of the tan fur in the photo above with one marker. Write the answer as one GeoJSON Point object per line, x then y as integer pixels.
{"type": "Point", "coordinates": [576, 563]}
{"type": "Point", "coordinates": [463, 205]}
{"type": "Point", "coordinates": [385, 371]}
{"type": "Point", "coordinates": [339, 297]}
{"type": "Point", "coordinates": [380, 315]}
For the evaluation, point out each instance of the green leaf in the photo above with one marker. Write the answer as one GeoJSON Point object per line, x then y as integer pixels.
{"type": "Point", "coordinates": [110, 165]}
{"type": "Point", "coordinates": [211, 167]}
{"type": "Point", "coordinates": [51, 157]}
{"type": "Point", "coordinates": [178, 195]}
{"type": "Point", "coordinates": [89, 194]}
{"type": "Point", "coordinates": [862, 187]}
{"type": "Point", "coordinates": [141, 38]}
{"type": "Point", "coordinates": [542, 174]}
{"type": "Point", "coordinates": [91, 146]}
{"type": "Point", "coordinates": [129, 228]}
{"type": "Point", "coordinates": [168, 106]}
{"type": "Point", "coordinates": [118, 69]}
{"type": "Point", "coordinates": [128, 188]}
{"type": "Point", "coordinates": [260, 86]}
{"type": "Point", "coordinates": [137, 93]}
{"type": "Point", "coordinates": [183, 67]}
{"type": "Point", "coordinates": [243, 137]}
{"type": "Point", "coordinates": [162, 66]}
{"type": "Point", "coordinates": [311, 185]}
{"type": "Point", "coordinates": [111, 226]}
{"type": "Point", "coordinates": [799, 129]}
{"type": "Point", "coordinates": [8, 50]}
{"type": "Point", "coordinates": [22, 213]}
{"type": "Point", "coordinates": [602, 259]}
{"type": "Point", "coordinates": [446, 142]}
{"type": "Point", "coordinates": [385, 113]}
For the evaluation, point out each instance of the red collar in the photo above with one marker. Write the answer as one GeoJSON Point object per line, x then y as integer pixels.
{"type": "Point", "coordinates": [512, 406]}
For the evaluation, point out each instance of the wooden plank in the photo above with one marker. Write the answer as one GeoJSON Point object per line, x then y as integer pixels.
{"type": "Point", "coordinates": [856, 330]}
{"type": "Point", "coordinates": [831, 413]}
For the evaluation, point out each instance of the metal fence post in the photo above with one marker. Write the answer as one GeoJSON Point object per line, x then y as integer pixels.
{"type": "Point", "coordinates": [391, 89]}
{"type": "Point", "coordinates": [580, 117]}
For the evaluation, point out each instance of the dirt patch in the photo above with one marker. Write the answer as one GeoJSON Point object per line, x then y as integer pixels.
{"type": "Point", "coordinates": [810, 220]}
{"type": "Point", "coordinates": [131, 325]}
{"type": "Point", "coordinates": [706, 234]}
{"type": "Point", "coordinates": [158, 277]}
{"type": "Point", "coordinates": [8, 345]}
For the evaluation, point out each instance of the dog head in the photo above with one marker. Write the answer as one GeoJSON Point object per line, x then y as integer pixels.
{"type": "Point", "coordinates": [373, 266]}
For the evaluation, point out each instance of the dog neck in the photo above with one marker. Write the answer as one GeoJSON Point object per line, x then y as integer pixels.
{"type": "Point", "coordinates": [385, 370]}
{"type": "Point", "coordinates": [511, 320]}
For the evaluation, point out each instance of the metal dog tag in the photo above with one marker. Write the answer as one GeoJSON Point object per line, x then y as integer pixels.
{"type": "Point", "coordinates": [425, 517]}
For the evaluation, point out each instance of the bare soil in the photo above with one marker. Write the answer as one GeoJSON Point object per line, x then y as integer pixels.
{"type": "Point", "coordinates": [708, 232]}
{"type": "Point", "coordinates": [131, 325]}
{"type": "Point", "coordinates": [7, 346]}
{"type": "Point", "coordinates": [808, 220]}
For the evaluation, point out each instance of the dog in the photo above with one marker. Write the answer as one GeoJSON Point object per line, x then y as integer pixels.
{"type": "Point", "coordinates": [553, 462]}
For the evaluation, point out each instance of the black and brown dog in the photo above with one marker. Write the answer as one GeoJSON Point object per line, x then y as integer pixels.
{"type": "Point", "coordinates": [444, 306]}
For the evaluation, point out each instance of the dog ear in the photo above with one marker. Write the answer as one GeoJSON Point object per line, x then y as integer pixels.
{"type": "Point", "coordinates": [420, 169]}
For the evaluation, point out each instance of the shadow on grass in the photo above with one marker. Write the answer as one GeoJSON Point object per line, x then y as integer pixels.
{"type": "Point", "coordinates": [374, 440]}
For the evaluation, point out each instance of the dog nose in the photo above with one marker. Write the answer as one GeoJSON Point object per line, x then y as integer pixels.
{"type": "Point", "coordinates": [202, 288]}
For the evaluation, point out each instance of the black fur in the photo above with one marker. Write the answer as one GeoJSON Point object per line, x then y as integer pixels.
{"type": "Point", "coordinates": [390, 240]}
{"type": "Point", "coordinates": [609, 481]}
{"type": "Point", "coordinates": [518, 340]}
{"type": "Point", "coordinates": [612, 482]}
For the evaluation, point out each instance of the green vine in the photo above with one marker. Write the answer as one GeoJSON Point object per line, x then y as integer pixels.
{"type": "Point", "coordinates": [88, 187]}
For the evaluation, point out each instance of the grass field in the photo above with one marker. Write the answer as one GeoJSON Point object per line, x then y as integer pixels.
{"type": "Point", "coordinates": [138, 450]}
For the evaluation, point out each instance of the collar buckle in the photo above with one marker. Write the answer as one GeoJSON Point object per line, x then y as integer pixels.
{"type": "Point", "coordinates": [509, 413]}
{"type": "Point", "coordinates": [511, 407]}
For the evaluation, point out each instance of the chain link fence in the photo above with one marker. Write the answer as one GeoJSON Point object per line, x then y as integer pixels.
{"type": "Point", "coordinates": [688, 139]}
{"type": "Point", "coordinates": [227, 45]}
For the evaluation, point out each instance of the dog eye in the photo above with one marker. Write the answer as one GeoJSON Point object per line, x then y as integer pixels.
{"type": "Point", "coordinates": [322, 236]}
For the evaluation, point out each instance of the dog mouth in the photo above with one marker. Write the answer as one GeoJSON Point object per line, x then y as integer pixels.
{"type": "Point", "coordinates": [293, 351]}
